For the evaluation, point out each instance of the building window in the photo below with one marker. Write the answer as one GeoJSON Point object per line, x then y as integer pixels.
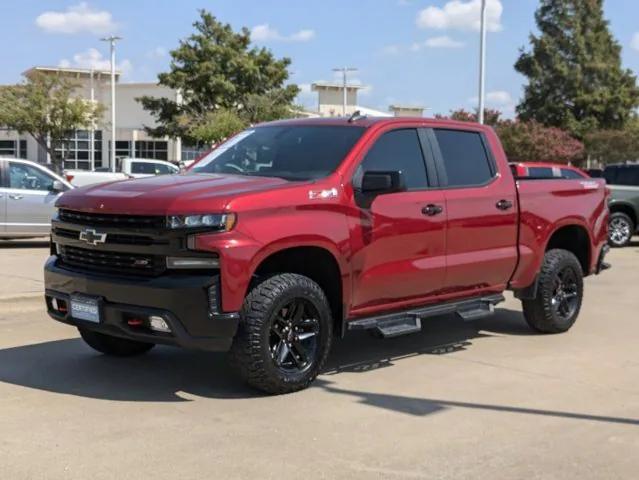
{"type": "Point", "coordinates": [13, 148]}
{"type": "Point", "coordinates": [76, 150]}
{"type": "Point", "coordinates": [122, 148]}
{"type": "Point", "coordinates": [153, 149]}
{"type": "Point", "coordinates": [191, 152]}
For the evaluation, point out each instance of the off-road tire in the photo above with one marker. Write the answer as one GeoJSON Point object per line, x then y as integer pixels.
{"type": "Point", "coordinates": [250, 353]}
{"type": "Point", "coordinates": [624, 218]}
{"type": "Point", "coordinates": [539, 312]}
{"type": "Point", "coordinates": [115, 346]}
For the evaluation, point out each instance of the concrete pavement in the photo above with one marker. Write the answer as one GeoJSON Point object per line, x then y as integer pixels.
{"type": "Point", "coordinates": [480, 400]}
{"type": "Point", "coordinates": [21, 263]}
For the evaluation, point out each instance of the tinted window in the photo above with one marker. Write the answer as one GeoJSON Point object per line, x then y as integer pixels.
{"type": "Point", "coordinates": [143, 168]}
{"type": "Point", "coordinates": [27, 177]}
{"type": "Point", "coordinates": [162, 169]}
{"type": "Point", "coordinates": [295, 152]}
{"type": "Point", "coordinates": [566, 173]}
{"type": "Point", "coordinates": [540, 172]}
{"type": "Point", "coordinates": [465, 157]}
{"type": "Point", "coordinates": [398, 150]}
{"type": "Point", "coordinates": [622, 175]}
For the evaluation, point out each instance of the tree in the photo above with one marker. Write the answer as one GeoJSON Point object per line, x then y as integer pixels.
{"type": "Point", "coordinates": [575, 78]}
{"type": "Point", "coordinates": [44, 106]}
{"type": "Point", "coordinates": [610, 146]}
{"type": "Point", "coordinates": [532, 142]}
{"type": "Point", "coordinates": [491, 117]}
{"type": "Point", "coordinates": [220, 76]}
{"type": "Point", "coordinates": [527, 141]}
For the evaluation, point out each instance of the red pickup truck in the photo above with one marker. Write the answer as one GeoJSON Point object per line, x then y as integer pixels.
{"type": "Point", "coordinates": [293, 232]}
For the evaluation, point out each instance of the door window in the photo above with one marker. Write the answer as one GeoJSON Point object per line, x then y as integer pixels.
{"type": "Point", "coordinates": [465, 158]}
{"type": "Point", "coordinates": [399, 150]}
{"type": "Point", "coordinates": [26, 177]}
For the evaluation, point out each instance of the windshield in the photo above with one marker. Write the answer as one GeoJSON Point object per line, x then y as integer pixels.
{"type": "Point", "coordinates": [293, 152]}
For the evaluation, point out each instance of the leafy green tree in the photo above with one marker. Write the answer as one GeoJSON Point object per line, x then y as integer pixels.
{"type": "Point", "coordinates": [45, 106]}
{"type": "Point", "coordinates": [575, 78]}
{"type": "Point", "coordinates": [219, 76]}
{"type": "Point", "coordinates": [611, 146]}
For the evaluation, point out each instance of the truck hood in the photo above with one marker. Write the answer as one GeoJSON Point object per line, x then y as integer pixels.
{"type": "Point", "coordinates": [166, 194]}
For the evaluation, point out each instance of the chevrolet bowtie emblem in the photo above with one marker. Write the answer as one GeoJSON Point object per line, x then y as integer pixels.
{"type": "Point", "coordinates": [92, 237]}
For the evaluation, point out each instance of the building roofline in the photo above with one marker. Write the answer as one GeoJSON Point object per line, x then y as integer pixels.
{"type": "Point", "coordinates": [76, 71]}
{"type": "Point", "coordinates": [339, 86]}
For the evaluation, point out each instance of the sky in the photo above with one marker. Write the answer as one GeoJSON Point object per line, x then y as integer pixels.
{"type": "Point", "coordinates": [416, 52]}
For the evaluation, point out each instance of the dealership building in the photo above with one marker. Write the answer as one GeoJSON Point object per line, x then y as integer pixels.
{"type": "Point", "coordinates": [91, 148]}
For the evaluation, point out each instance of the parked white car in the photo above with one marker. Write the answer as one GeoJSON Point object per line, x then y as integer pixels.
{"type": "Point", "coordinates": [28, 192]}
{"type": "Point", "coordinates": [127, 168]}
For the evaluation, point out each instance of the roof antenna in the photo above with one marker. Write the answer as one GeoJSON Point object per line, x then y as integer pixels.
{"type": "Point", "coordinates": [357, 115]}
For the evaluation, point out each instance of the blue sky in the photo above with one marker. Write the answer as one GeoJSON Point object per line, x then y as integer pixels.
{"type": "Point", "coordinates": [407, 51]}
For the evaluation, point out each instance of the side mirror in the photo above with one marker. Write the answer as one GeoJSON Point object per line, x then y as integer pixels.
{"type": "Point", "coordinates": [58, 187]}
{"type": "Point", "coordinates": [377, 183]}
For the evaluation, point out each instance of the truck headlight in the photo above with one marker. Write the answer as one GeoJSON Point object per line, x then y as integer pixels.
{"type": "Point", "coordinates": [220, 222]}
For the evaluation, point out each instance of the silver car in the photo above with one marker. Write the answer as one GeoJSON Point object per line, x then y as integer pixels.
{"type": "Point", "coordinates": [28, 193]}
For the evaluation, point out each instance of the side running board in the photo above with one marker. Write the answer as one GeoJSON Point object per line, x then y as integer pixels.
{"type": "Point", "coordinates": [409, 321]}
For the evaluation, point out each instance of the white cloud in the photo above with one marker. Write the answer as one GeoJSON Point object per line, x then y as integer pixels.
{"type": "Point", "coordinates": [265, 33]}
{"type": "Point", "coordinates": [92, 58]}
{"type": "Point", "coordinates": [634, 43]}
{"type": "Point", "coordinates": [77, 19]}
{"type": "Point", "coordinates": [461, 15]}
{"type": "Point", "coordinates": [437, 42]}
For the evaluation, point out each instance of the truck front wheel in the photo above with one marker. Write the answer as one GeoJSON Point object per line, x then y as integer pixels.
{"type": "Point", "coordinates": [559, 293]}
{"type": "Point", "coordinates": [116, 346]}
{"type": "Point", "coordinates": [284, 335]}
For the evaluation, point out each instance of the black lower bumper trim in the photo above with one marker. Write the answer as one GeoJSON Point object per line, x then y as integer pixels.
{"type": "Point", "coordinates": [180, 300]}
{"type": "Point", "coordinates": [601, 264]}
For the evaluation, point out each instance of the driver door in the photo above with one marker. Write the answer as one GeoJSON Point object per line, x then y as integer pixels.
{"type": "Point", "coordinates": [399, 240]}
{"type": "Point", "coordinates": [29, 199]}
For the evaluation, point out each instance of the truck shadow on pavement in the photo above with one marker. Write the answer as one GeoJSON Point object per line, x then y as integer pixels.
{"type": "Point", "coordinates": [172, 375]}
{"type": "Point", "coordinates": [31, 243]}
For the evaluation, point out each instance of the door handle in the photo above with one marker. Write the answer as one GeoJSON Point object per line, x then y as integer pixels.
{"type": "Point", "coordinates": [431, 209]}
{"type": "Point", "coordinates": [504, 204]}
{"type": "Point", "coordinates": [15, 197]}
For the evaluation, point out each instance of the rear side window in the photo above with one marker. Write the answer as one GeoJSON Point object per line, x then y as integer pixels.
{"type": "Point", "coordinates": [465, 158]}
{"type": "Point", "coordinates": [399, 150]}
{"type": "Point", "coordinates": [566, 173]}
{"type": "Point", "coordinates": [540, 172]}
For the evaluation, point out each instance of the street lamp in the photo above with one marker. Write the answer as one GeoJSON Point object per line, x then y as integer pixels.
{"type": "Point", "coordinates": [112, 39]}
{"type": "Point", "coordinates": [482, 61]}
{"type": "Point", "coordinates": [344, 71]}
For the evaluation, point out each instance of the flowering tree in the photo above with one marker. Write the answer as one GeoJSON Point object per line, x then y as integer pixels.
{"type": "Point", "coordinates": [528, 141]}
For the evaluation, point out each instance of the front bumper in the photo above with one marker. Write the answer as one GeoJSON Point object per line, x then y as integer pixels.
{"type": "Point", "coordinates": [183, 301]}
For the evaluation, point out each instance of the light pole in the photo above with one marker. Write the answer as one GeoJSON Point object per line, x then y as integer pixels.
{"type": "Point", "coordinates": [92, 131]}
{"type": "Point", "coordinates": [112, 39]}
{"type": "Point", "coordinates": [344, 71]}
{"type": "Point", "coordinates": [482, 61]}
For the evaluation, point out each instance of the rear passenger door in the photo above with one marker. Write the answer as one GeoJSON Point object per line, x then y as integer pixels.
{"type": "Point", "coordinates": [481, 234]}
{"type": "Point", "coordinates": [398, 241]}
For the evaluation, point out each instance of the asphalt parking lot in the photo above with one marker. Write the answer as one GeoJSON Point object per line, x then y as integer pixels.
{"type": "Point", "coordinates": [488, 399]}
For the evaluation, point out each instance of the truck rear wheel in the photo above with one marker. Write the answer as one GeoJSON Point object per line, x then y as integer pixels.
{"type": "Point", "coordinates": [116, 346]}
{"type": "Point", "coordinates": [620, 229]}
{"type": "Point", "coordinates": [559, 293]}
{"type": "Point", "coordinates": [284, 335]}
